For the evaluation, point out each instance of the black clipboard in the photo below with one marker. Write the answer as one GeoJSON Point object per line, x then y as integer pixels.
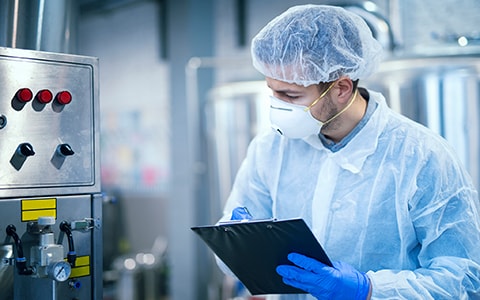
{"type": "Point", "coordinates": [253, 249]}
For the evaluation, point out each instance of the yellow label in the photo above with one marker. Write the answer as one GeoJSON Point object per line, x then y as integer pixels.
{"type": "Point", "coordinates": [80, 271]}
{"type": "Point", "coordinates": [33, 215]}
{"type": "Point", "coordinates": [39, 204]}
{"type": "Point", "coordinates": [82, 267]}
{"type": "Point", "coordinates": [33, 209]}
{"type": "Point", "coordinates": [82, 261]}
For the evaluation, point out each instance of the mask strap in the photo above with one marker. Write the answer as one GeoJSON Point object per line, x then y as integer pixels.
{"type": "Point", "coordinates": [320, 97]}
{"type": "Point", "coordinates": [344, 109]}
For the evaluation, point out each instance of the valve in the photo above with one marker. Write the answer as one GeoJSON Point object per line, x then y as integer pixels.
{"type": "Point", "coordinates": [47, 257]}
{"type": "Point", "coordinates": [74, 284]}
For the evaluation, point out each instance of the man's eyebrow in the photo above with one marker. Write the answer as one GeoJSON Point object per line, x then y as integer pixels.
{"type": "Point", "coordinates": [285, 90]}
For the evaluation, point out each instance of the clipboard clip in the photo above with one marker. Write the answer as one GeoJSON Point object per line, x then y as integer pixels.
{"type": "Point", "coordinates": [232, 222]}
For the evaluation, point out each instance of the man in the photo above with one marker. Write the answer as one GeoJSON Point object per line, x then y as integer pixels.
{"type": "Point", "coordinates": [386, 197]}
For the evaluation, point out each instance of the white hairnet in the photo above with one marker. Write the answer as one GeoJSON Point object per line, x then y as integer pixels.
{"type": "Point", "coordinates": [308, 44]}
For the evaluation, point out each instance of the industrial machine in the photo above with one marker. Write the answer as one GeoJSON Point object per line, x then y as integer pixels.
{"type": "Point", "coordinates": [50, 195]}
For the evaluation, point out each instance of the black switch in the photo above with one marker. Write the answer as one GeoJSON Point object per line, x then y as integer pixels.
{"type": "Point", "coordinates": [65, 150]}
{"type": "Point", "coordinates": [23, 151]}
{"type": "Point", "coordinates": [62, 151]}
{"type": "Point", "coordinates": [26, 149]}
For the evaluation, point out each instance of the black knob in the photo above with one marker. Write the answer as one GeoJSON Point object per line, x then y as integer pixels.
{"type": "Point", "coordinates": [26, 149]}
{"type": "Point", "coordinates": [65, 150]}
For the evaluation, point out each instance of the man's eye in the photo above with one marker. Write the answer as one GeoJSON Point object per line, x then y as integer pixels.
{"type": "Point", "coordinates": [292, 97]}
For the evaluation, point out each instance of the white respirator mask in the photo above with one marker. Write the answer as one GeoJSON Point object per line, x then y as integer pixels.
{"type": "Point", "coordinates": [296, 121]}
{"type": "Point", "coordinates": [292, 120]}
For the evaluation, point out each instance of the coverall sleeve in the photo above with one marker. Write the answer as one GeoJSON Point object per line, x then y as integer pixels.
{"type": "Point", "coordinates": [248, 191]}
{"type": "Point", "coordinates": [249, 188]}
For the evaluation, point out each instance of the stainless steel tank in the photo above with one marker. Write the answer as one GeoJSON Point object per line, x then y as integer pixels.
{"type": "Point", "coordinates": [235, 113]}
{"type": "Point", "coordinates": [441, 92]}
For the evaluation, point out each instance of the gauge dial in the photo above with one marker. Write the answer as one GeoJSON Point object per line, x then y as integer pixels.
{"type": "Point", "coordinates": [60, 271]}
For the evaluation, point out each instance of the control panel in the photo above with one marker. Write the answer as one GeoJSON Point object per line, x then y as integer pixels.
{"type": "Point", "coordinates": [50, 192]}
{"type": "Point", "coordinates": [48, 128]}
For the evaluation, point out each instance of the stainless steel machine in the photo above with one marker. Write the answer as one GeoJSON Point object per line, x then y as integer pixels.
{"type": "Point", "coordinates": [50, 195]}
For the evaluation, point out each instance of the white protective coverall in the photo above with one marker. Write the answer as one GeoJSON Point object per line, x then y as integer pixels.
{"type": "Point", "coordinates": [395, 202]}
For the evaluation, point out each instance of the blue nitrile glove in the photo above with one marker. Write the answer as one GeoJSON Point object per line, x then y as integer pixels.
{"type": "Point", "coordinates": [324, 282]}
{"type": "Point", "coordinates": [241, 213]}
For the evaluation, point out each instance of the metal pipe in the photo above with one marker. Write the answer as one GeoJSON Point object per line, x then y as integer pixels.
{"type": "Point", "coordinates": [378, 23]}
{"type": "Point", "coordinates": [15, 23]}
{"type": "Point", "coordinates": [39, 25]}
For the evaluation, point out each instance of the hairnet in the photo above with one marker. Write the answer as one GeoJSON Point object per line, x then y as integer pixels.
{"type": "Point", "coordinates": [308, 44]}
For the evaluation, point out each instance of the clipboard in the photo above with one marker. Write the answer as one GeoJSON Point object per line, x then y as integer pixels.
{"type": "Point", "coordinates": [253, 249]}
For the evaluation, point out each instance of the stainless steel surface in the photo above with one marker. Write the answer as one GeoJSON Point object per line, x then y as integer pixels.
{"type": "Point", "coordinates": [47, 178]}
{"type": "Point", "coordinates": [69, 208]}
{"type": "Point", "coordinates": [6, 270]}
{"type": "Point", "coordinates": [39, 24]}
{"type": "Point", "coordinates": [46, 126]}
{"type": "Point", "coordinates": [378, 23]}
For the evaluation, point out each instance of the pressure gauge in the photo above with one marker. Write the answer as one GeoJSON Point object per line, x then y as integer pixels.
{"type": "Point", "coordinates": [59, 271]}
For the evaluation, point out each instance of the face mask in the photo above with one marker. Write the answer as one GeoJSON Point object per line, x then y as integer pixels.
{"type": "Point", "coordinates": [296, 121]}
{"type": "Point", "coordinates": [292, 120]}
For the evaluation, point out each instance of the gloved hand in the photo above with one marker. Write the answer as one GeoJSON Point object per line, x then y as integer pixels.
{"type": "Point", "coordinates": [324, 282]}
{"type": "Point", "coordinates": [241, 213]}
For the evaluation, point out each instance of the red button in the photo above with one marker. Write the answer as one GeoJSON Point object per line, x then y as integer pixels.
{"type": "Point", "coordinates": [44, 96]}
{"type": "Point", "coordinates": [64, 97]}
{"type": "Point", "coordinates": [24, 95]}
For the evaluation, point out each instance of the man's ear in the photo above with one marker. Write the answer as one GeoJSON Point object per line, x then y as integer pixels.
{"type": "Point", "coordinates": [344, 89]}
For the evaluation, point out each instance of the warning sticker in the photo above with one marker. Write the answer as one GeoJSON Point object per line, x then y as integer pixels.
{"type": "Point", "coordinates": [32, 209]}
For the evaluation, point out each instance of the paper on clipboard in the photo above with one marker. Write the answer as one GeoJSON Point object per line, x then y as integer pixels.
{"type": "Point", "coordinates": [252, 250]}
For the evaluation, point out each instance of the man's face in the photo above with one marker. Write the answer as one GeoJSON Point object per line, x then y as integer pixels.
{"type": "Point", "coordinates": [301, 95]}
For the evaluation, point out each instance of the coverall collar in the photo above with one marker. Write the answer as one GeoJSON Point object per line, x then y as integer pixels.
{"type": "Point", "coordinates": [353, 155]}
